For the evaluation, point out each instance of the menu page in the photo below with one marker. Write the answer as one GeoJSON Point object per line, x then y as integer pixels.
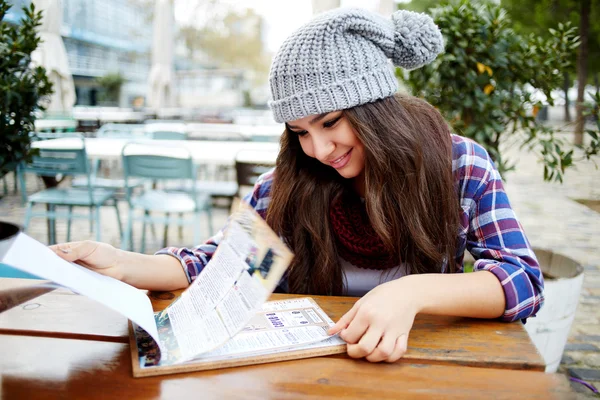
{"type": "Point", "coordinates": [279, 327]}
{"type": "Point", "coordinates": [245, 269]}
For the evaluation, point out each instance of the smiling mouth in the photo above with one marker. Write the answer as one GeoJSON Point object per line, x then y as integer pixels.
{"type": "Point", "coordinates": [342, 161]}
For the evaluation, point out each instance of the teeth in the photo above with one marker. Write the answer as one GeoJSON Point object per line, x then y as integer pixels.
{"type": "Point", "coordinates": [339, 159]}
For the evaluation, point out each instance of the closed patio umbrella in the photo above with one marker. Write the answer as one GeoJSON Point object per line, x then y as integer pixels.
{"type": "Point", "coordinates": [51, 54]}
{"type": "Point", "coordinates": [161, 80]}
{"type": "Point", "coordinates": [319, 6]}
{"type": "Point", "coordinates": [386, 7]}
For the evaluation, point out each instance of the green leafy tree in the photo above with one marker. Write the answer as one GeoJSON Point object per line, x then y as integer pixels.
{"type": "Point", "coordinates": [23, 88]}
{"type": "Point", "coordinates": [233, 40]}
{"type": "Point", "coordinates": [582, 67]}
{"type": "Point", "coordinates": [485, 81]}
{"type": "Point", "coordinates": [111, 84]}
{"type": "Point", "coordinates": [419, 5]}
{"type": "Point", "coordinates": [593, 112]}
{"type": "Point", "coordinates": [536, 16]}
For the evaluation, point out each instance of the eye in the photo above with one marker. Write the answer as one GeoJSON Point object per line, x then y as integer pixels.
{"type": "Point", "coordinates": [332, 122]}
{"type": "Point", "coordinates": [299, 133]}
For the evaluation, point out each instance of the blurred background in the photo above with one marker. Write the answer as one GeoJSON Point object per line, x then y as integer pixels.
{"type": "Point", "coordinates": [216, 53]}
{"type": "Point", "coordinates": [203, 59]}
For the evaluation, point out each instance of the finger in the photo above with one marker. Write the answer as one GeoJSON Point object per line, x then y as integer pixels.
{"type": "Point", "coordinates": [355, 330]}
{"type": "Point", "coordinates": [344, 321]}
{"type": "Point", "coordinates": [61, 249]}
{"type": "Point", "coordinates": [399, 349]}
{"type": "Point", "coordinates": [384, 349]}
{"type": "Point", "coordinates": [366, 345]}
{"type": "Point", "coordinates": [73, 251]}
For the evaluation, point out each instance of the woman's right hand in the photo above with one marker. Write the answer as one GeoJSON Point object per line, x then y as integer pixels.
{"type": "Point", "coordinates": [100, 257]}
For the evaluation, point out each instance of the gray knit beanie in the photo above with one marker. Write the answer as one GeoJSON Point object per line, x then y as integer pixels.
{"type": "Point", "coordinates": [340, 60]}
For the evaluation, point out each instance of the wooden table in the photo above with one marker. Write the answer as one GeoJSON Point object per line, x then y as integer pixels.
{"type": "Point", "coordinates": [64, 345]}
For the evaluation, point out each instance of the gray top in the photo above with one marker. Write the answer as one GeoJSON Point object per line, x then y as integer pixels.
{"type": "Point", "coordinates": [359, 281]}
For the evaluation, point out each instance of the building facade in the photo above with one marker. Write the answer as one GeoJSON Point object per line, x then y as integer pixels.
{"type": "Point", "coordinates": [104, 37]}
{"type": "Point", "coordinates": [211, 88]}
{"type": "Point", "coordinates": [108, 37]}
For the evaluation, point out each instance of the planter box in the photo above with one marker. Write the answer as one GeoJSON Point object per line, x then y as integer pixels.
{"type": "Point", "coordinates": [549, 330]}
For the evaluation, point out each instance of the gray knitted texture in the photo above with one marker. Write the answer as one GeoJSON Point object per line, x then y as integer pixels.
{"type": "Point", "coordinates": [340, 59]}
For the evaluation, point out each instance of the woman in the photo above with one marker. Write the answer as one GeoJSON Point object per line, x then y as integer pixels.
{"type": "Point", "coordinates": [371, 192]}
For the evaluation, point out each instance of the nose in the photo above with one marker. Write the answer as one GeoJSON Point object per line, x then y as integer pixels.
{"type": "Point", "coordinates": [323, 147]}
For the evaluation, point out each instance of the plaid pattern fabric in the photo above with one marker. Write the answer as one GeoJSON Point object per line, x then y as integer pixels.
{"type": "Point", "coordinates": [489, 230]}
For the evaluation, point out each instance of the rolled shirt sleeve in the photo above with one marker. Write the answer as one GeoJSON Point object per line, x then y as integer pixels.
{"type": "Point", "coordinates": [498, 243]}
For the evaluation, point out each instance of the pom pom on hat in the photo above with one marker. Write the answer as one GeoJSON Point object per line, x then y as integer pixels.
{"type": "Point", "coordinates": [417, 39]}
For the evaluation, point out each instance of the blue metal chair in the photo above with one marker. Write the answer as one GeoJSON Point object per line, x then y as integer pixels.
{"type": "Point", "coordinates": [36, 136]}
{"type": "Point", "coordinates": [213, 189]}
{"type": "Point", "coordinates": [123, 131]}
{"type": "Point", "coordinates": [67, 162]}
{"type": "Point", "coordinates": [168, 135]}
{"type": "Point", "coordinates": [163, 164]}
{"type": "Point", "coordinates": [113, 131]}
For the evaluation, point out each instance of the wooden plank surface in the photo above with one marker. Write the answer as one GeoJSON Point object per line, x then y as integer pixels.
{"type": "Point", "coordinates": [62, 313]}
{"type": "Point", "coordinates": [40, 367]}
{"type": "Point", "coordinates": [433, 339]}
{"type": "Point", "coordinates": [456, 340]}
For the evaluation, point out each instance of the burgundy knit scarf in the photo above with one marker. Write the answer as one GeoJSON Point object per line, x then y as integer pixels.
{"type": "Point", "coordinates": [357, 241]}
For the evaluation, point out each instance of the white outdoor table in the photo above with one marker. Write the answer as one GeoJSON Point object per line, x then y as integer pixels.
{"type": "Point", "coordinates": [49, 124]}
{"type": "Point", "coordinates": [109, 115]}
{"type": "Point", "coordinates": [248, 132]}
{"type": "Point", "coordinates": [203, 152]}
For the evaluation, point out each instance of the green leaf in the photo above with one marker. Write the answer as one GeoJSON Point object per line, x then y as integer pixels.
{"type": "Point", "coordinates": [521, 62]}
{"type": "Point", "coordinates": [21, 86]}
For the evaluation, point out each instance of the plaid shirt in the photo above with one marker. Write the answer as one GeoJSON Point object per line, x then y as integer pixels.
{"type": "Point", "coordinates": [489, 230]}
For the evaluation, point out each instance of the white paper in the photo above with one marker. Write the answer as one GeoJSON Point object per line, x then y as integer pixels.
{"type": "Point", "coordinates": [221, 301]}
{"type": "Point", "coordinates": [284, 325]}
{"type": "Point", "coordinates": [231, 289]}
{"type": "Point", "coordinates": [33, 257]}
{"type": "Point", "coordinates": [219, 275]}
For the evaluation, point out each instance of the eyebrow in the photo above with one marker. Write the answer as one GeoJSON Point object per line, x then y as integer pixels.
{"type": "Point", "coordinates": [312, 121]}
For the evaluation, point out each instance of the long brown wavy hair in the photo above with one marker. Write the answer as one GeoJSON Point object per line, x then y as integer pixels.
{"type": "Point", "coordinates": [410, 194]}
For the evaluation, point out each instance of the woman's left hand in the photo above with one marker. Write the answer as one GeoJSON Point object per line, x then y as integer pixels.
{"type": "Point", "coordinates": [378, 325]}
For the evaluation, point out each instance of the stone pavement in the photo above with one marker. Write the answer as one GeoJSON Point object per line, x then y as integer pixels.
{"type": "Point", "coordinates": [548, 212]}
{"type": "Point", "coordinates": [553, 220]}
